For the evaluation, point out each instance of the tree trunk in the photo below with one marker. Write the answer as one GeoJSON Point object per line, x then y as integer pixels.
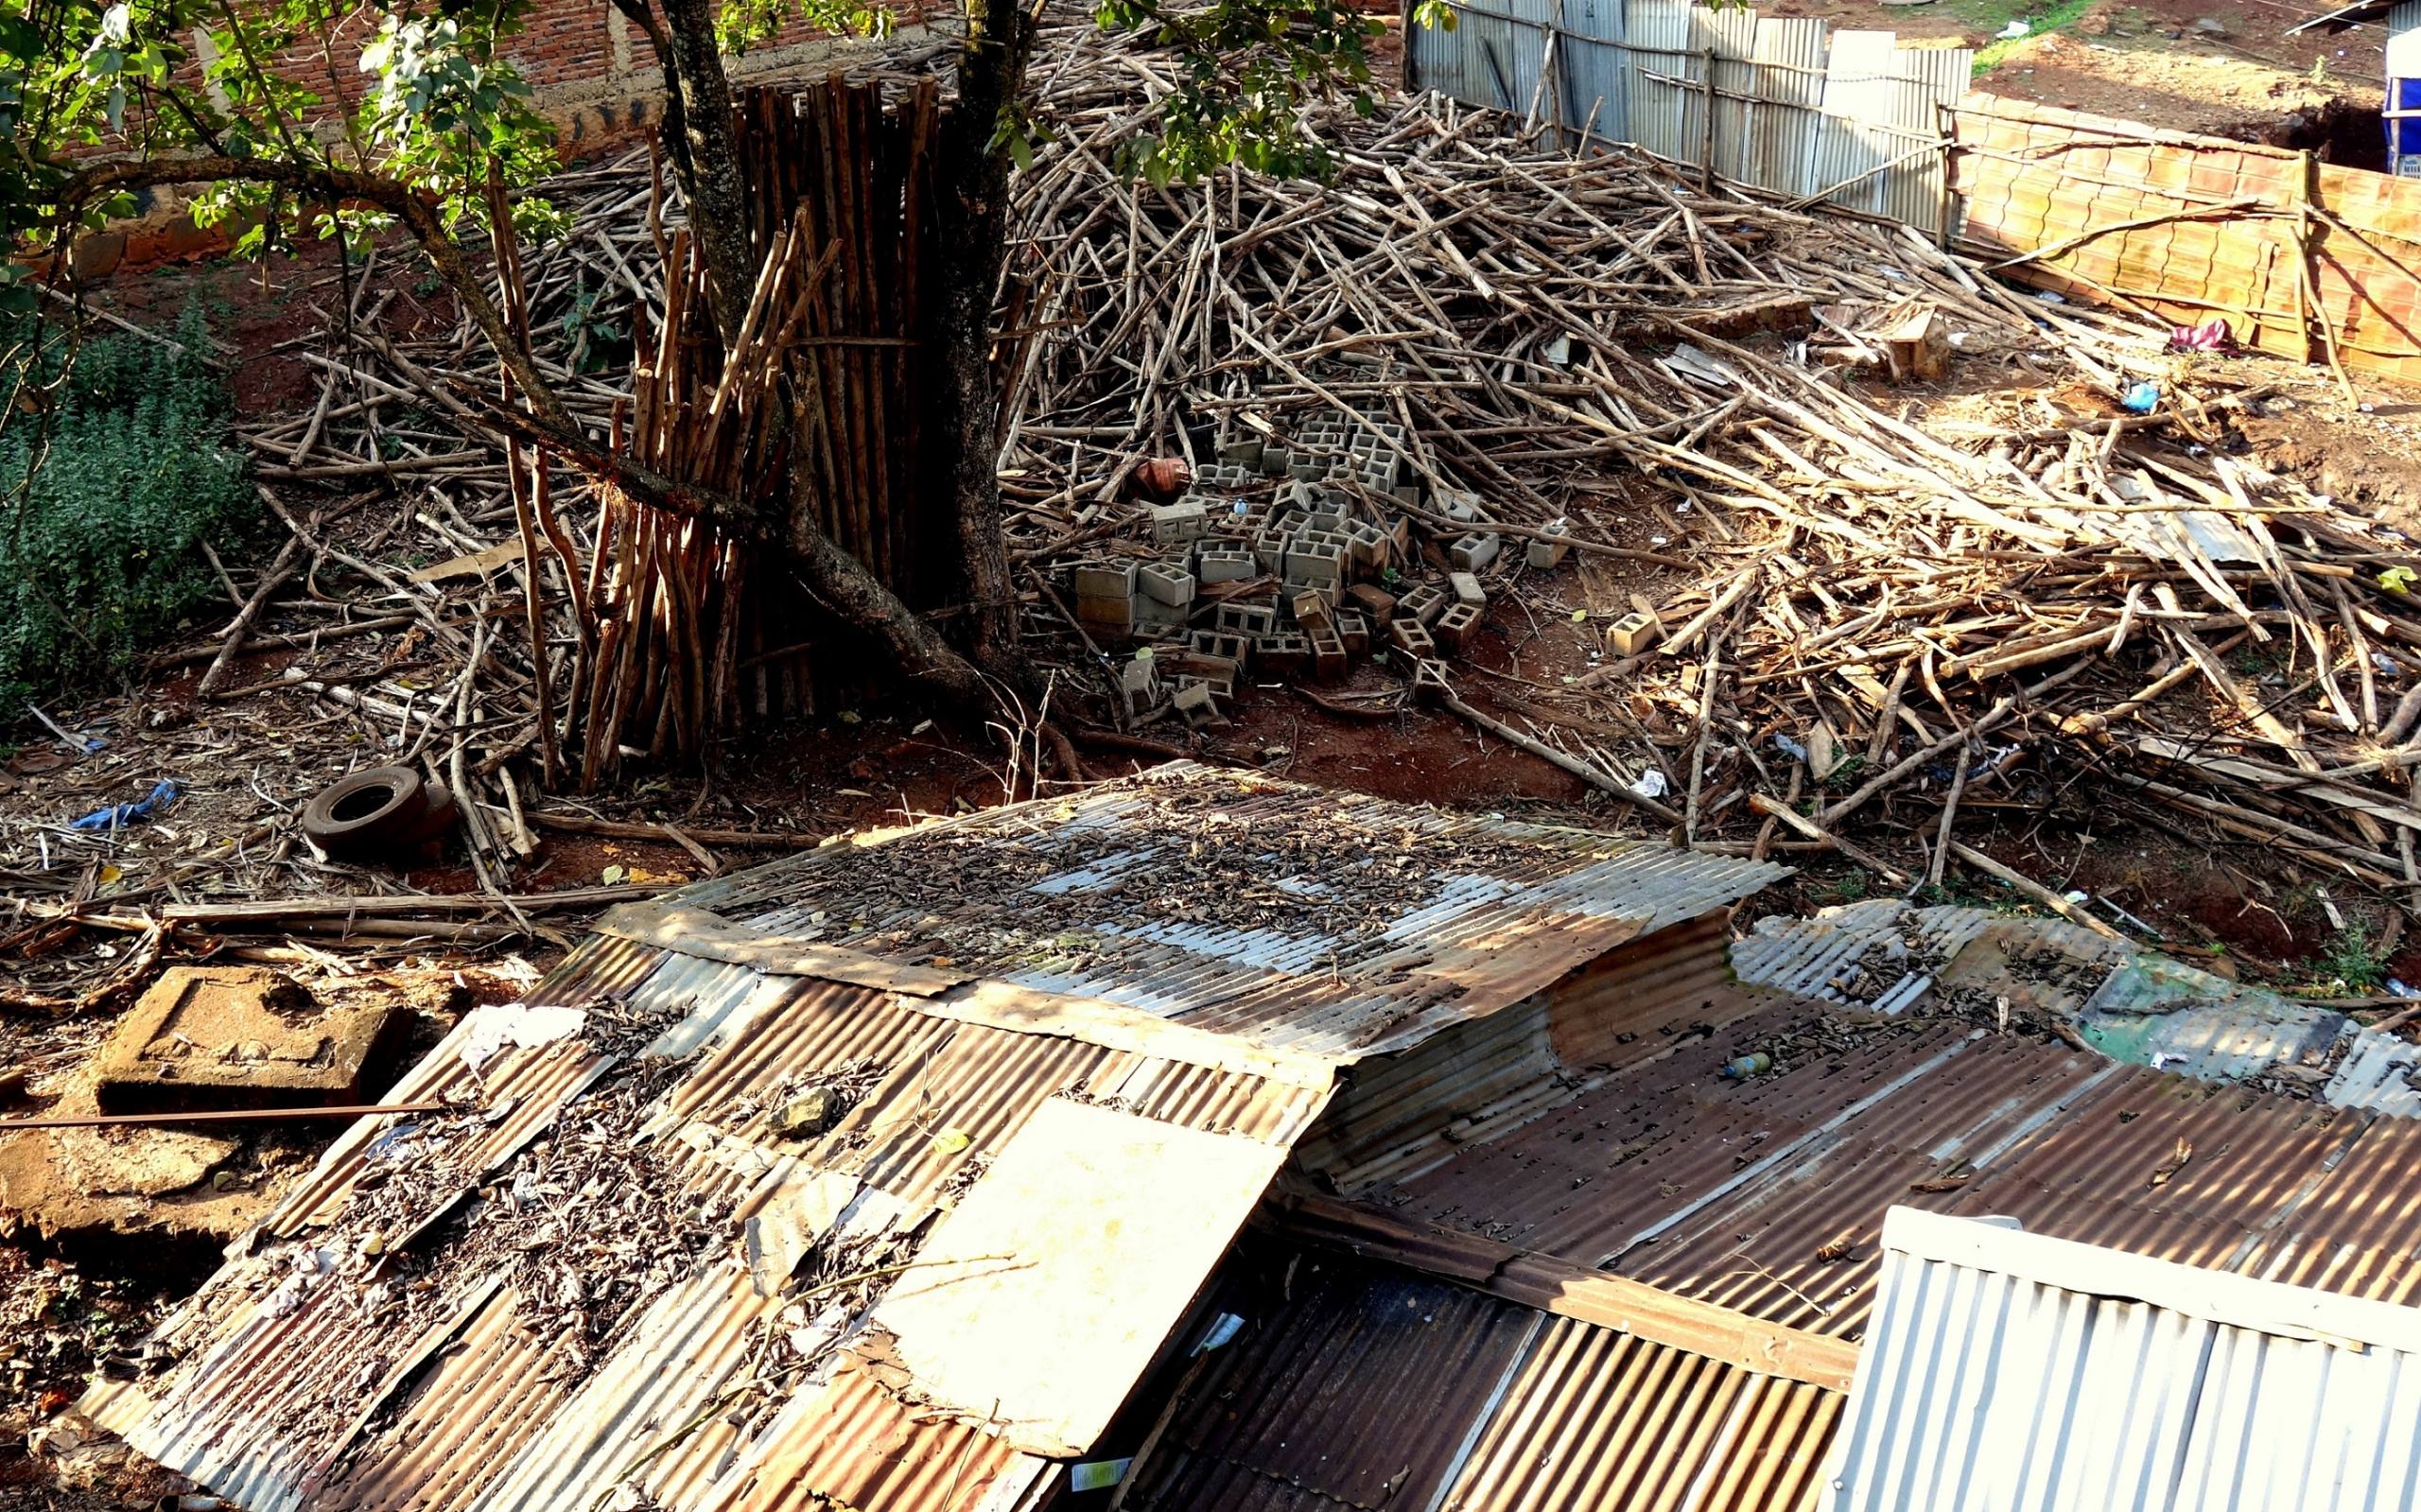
{"type": "Point", "coordinates": [707, 163]}
{"type": "Point", "coordinates": [974, 190]}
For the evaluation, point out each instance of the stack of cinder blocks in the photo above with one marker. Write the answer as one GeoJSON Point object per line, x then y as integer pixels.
{"type": "Point", "coordinates": [1306, 516]}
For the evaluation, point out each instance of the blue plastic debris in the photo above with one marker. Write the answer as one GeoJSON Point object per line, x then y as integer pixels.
{"type": "Point", "coordinates": [119, 815]}
{"type": "Point", "coordinates": [2141, 397]}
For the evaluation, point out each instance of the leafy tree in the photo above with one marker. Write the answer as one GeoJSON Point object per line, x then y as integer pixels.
{"type": "Point", "coordinates": [243, 98]}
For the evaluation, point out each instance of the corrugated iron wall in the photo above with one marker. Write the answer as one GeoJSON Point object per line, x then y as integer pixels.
{"type": "Point", "coordinates": [2294, 256]}
{"type": "Point", "coordinates": [1770, 102]}
{"type": "Point", "coordinates": [2304, 259]}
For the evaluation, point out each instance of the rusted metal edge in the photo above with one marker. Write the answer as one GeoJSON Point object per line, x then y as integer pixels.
{"type": "Point", "coordinates": [1116, 1026]}
{"type": "Point", "coordinates": [1571, 1291]}
{"type": "Point", "coordinates": [686, 929]}
{"type": "Point", "coordinates": [250, 1115]}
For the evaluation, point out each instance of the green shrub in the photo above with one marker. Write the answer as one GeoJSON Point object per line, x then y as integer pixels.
{"type": "Point", "coordinates": [100, 555]}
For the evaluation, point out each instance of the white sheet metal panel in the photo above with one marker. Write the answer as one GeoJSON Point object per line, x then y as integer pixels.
{"type": "Point", "coordinates": [1665, 98]}
{"type": "Point", "coordinates": [1490, 59]}
{"type": "Point", "coordinates": [1729, 39]}
{"type": "Point", "coordinates": [2013, 1372]}
{"type": "Point", "coordinates": [1851, 139]}
{"type": "Point", "coordinates": [1789, 52]}
{"type": "Point", "coordinates": [1595, 70]}
{"type": "Point", "coordinates": [1926, 81]}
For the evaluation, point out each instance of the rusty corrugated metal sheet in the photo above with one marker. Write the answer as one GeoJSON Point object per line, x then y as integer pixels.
{"type": "Point", "coordinates": [1800, 1246]}
{"type": "Point", "coordinates": [1318, 1392]}
{"type": "Point", "coordinates": [1198, 1096]}
{"type": "Point", "coordinates": [1595, 1419]}
{"type": "Point", "coordinates": [1357, 1385]}
{"type": "Point", "coordinates": [486, 1392]}
{"type": "Point", "coordinates": [848, 1443]}
{"type": "Point", "coordinates": [1647, 1146]}
{"type": "Point", "coordinates": [333, 1400]}
{"type": "Point", "coordinates": [1469, 913]}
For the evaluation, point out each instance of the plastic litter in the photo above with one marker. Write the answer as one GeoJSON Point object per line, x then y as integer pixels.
{"type": "Point", "coordinates": [2050, 296]}
{"type": "Point", "coordinates": [2013, 31]}
{"type": "Point", "coordinates": [1740, 1067]}
{"type": "Point", "coordinates": [1223, 1327]}
{"type": "Point", "coordinates": [1650, 784]}
{"type": "Point", "coordinates": [117, 816]}
{"type": "Point", "coordinates": [1789, 747]}
{"type": "Point", "coordinates": [2211, 336]}
{"type": "Point", "coordinates": [2400, 989]}
{"type": "Point", "coordinates": [2142, 397]}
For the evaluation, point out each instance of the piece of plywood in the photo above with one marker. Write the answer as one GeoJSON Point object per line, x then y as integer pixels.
{"type": "Point", "coordinates": [1043, 1296]}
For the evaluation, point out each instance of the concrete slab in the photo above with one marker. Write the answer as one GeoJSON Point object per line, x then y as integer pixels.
{"type": "Point", "coordinates": [241, 1037]}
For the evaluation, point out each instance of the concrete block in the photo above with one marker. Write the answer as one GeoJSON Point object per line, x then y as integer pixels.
{"type": "Point", "coordinates": [1328, 655]}
{"type": "Point", "coordinates": [1225, 565]}
{"type": "Point", "coordinates": [1425, 602]}
{"type": "Point", "coordinates": [1246, 618]}
{"type": "Point", "coordinates": [1354, 628]}
{"type": "Point", "coordinates": [1429, 684]}
{"type": "Point", "coordinates": [1474, 550]}
{"type": "Point", "coordinates": [1411, 637]}
{"type": "Point", "coordinates": [208, 1037]}
{"type": "Point", "coordinates": [1221, 644]}
{"type": "Point", "coordinates": [1107, 614]}
{"type": "Point", "coordinates": [1305, 465]}
{"type": "Point", "coordinates": [1200, 707]}
{"type": "Point", "coordinates": [1547, 554]}
{"type": "Point", "coordinates": [1188, 519]}
{"type": "Point", "coordinates": [1219, 672]}
{"type": "Point", "coordinates": [1139, 680]}
{"type": "Point", "coordinates": [1158, 633]}
{"type": "Point", "coordinates": [1315, 563]}
{"type": "Point", "coordinates": [1373, 601]}
{"type": "Point", "coordinates": [1466, 589]}
{"type": "Point", "coordinates": [1399, 538]}
{"type": "Point", "coordinates": [1282, 653]}
{"type": "Point", "coordinates": [1114, 581]}
{"type": "Point", "coordinates": [1269, 548]}
{"type": "Point", "coordinates": [1455, 627]}
{"type": "Point", "coordinates": [1245, 451]}
{"type": "Point", "coordinates": [1367, 546]}
{"type": "Point", "coordinates": [1633, 633]}
{"type": "Point", "coordinates": [1463, 509]}
{"type": "Point", "coordinates": [1408, 494]}
{"type": "Point", "coordinates": [1173, 586]}
{"type": "Point", "coordinates": [1311, 609]}
{"type": "Point", "coordinates": [1300, 498]}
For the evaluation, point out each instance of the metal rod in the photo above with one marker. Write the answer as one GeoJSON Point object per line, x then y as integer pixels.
{"type": "Point", "coordinates": [259, 1115]}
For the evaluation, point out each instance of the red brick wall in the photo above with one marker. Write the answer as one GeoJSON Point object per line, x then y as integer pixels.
{"type": "Point", "coordinates": [2195, 228]}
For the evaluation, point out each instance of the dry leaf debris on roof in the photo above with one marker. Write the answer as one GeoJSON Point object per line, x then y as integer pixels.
{"type": "Point", "coordinates": [672, 1191]}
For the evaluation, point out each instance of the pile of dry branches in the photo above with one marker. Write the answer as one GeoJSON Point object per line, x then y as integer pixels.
{"type": "Point", "coordinates": [1894, 597]}
{"type": "Point", "coordinates": [1879, 607]}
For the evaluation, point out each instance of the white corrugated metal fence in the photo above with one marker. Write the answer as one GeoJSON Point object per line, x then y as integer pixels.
{"type": "Point", "coordinates": [1773, 102]}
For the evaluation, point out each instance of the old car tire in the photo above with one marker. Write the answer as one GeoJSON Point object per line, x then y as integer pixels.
{"type": "Point", "coordinates": [371, 811]}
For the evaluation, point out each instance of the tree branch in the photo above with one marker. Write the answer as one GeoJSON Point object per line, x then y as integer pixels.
{"type": "Point", "coordinates": [338, 185]}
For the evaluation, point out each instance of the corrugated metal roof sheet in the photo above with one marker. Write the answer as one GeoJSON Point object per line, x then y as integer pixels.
{"type": "Point", "coordinates": [2013, 1369]}
{"type": "Point", "coordinates": [1356, 1384]}
{"type": "Point", "coordinates": [316, 1393]}
{"type": "Point", "coordinates": [1596, 1418]}
{"type": "Point", "coordinates": [1285, 917]}
{"type": "Point", "coordinates": [2148, 1010]}
{"type": "Point", "coordinates": [1767, 1194]}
